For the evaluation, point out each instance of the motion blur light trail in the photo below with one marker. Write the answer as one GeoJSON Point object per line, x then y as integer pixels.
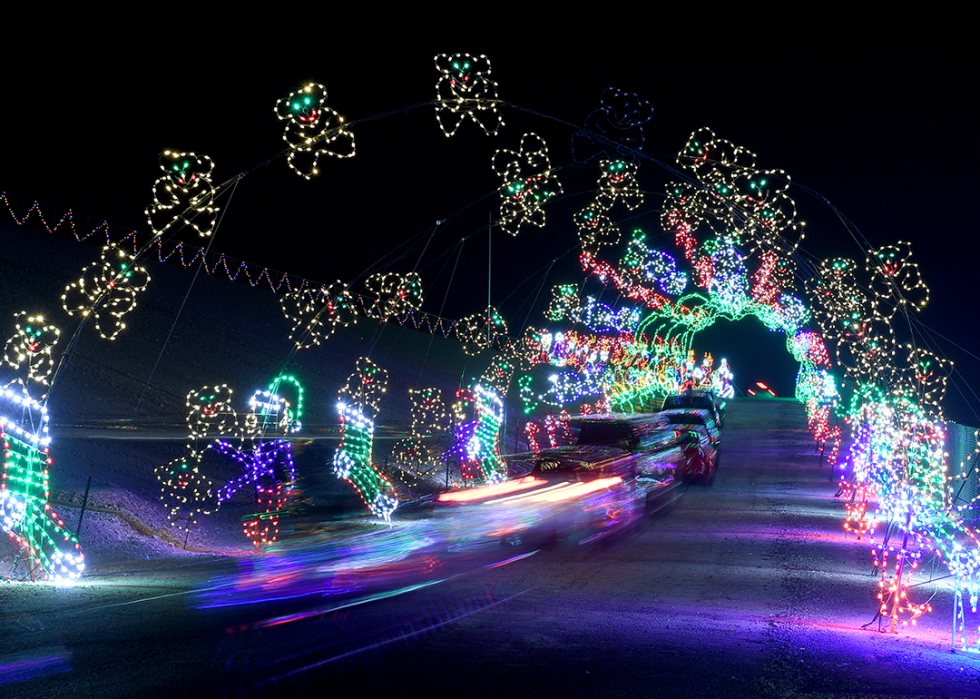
{"type": "Point", "coordinates": [38, 663]}
{"type": "Point", "coordinates": [460, 536]}
{"type": "Point", "coordinates": [334, 564]}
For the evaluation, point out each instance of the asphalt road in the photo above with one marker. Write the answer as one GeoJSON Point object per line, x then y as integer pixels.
{"type": "Point", "coordinates": [745, 588]}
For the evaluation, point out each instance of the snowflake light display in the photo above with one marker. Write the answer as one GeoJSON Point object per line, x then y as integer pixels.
{"type": "Point", "coordinates": [315, 313]}
{"type": "Point", "coordinates": [464, 89]}
{"type": "Point", "coordinates": [312, 129]}
{"type": "Point", "coordinates": [615, 127]}
{"type": "Point", "coordinates": [29, 352]}
{"type": "Point", "coordinates": [107, 291]}
{"type": "Point", "coordinates": [528, 183]}
{"type": "Point", "coordinates": [184, 194]}
{"type": "Point", "coordinates": [353, 461]}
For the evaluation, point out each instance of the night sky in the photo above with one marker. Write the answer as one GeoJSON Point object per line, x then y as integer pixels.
{"type": "Point", "coordinates": [885, 136]}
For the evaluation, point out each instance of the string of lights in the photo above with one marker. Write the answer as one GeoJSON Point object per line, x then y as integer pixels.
{"type": "Point", "coordinates": [358, 405]}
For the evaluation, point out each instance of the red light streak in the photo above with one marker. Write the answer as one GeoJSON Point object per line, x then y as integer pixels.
{"type": "Point", "coordinates": [491, 490]}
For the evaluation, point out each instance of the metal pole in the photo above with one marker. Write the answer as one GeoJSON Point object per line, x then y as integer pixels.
{"type": "Point", "coordinates": [489, 277]}
{"type": "Point", "coordinates": [81, 515]}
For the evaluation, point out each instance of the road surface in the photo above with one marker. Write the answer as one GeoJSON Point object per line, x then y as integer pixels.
{"type": "Point", "coordinates": [745, 588]}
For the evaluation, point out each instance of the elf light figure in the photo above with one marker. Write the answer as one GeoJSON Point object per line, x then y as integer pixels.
{"type": "Point", "coordinates": [29, 352]}
{"type": "Point", "coordinates": [312, 129]}
{"type": "Point", "coordinates": [107, 291]}
{"type": "Point", "coordinates": [479, 416]}
{"type": "Point", "coordinates": [721, 380]}
{"type": "Point", "coordinates": [353, 460]}
{"type": "Point", "coordinates": [528, 183]}
{"type": "Point", "coordinates": [687, 373]}
{"type": "Point", "coordinates": [703, 372]}
{"type": "Point", "coordinates": [464, 89]}
{"type": "Point", "coordinates": [416, 458]}
{"type": "Point", "coordinates": [479, 331]}
{"type": "Point", "coordinates": [616, 125]}
{"type": "Point", "coordinates": [315, 313]}
{"type": "Point", "coordinates": [184, 194]}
